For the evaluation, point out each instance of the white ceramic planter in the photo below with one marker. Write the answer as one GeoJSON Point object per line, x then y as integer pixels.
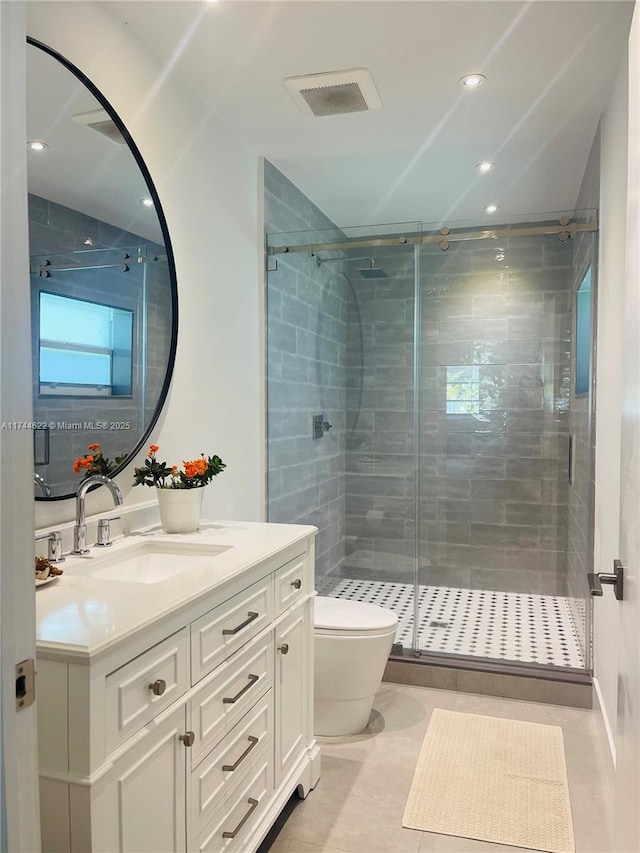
{"type": "Point", "coordinates": [180, 509]}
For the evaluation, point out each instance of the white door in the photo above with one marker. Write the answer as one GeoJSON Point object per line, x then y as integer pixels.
{"type": "Point", "coordinates": [21, 830]}
{"type": "Point", "coordinates": [140, 806]}
{"type": "Point", "coordinates": [627, 794]}
{"type": "Point", "coordinates": [291, 676]}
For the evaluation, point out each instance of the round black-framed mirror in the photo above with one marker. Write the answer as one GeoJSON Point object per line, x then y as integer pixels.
{"type": "Point", "coordinates": [104, 302]}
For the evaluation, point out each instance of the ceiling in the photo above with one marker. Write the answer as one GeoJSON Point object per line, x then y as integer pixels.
{"type": "Point", "coordinates": [81, 169]}
{"type": "Point", "coordinates": [549, 64]}
{"type": "Point", "coordinates": [549, 68]}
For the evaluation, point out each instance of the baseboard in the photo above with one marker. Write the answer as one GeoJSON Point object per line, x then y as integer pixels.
{"type": "Point", "coordinates": [604, 726]}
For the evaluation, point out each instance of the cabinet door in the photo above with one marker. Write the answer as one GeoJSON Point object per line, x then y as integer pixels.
{"type": "Point", "coordinates": [293, 688]}
{"type": "Point", "coordinates": [141, 807]}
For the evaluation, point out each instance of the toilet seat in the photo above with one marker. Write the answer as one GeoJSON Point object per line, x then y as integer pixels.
{"type": "Point", "coordinates": [340, 616]}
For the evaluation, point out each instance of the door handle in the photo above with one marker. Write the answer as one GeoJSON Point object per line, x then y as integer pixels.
{"type": "Point", "coordinates": [616, 579]}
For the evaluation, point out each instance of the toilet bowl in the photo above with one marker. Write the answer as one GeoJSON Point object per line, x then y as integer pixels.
{"type": "Point", "coordinates": [353, 640]}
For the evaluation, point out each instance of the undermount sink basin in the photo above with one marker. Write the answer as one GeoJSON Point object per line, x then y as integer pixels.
{"type": "Point", "coordinates": [153, 562]}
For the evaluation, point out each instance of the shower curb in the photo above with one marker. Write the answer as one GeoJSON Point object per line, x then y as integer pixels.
{"type": "Point", "coordinates": [533, 684]}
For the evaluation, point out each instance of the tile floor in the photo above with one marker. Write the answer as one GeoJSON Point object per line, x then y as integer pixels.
{"type": "Point", "coordinates": [358, 803]}
{"type": "Point", "coordinates": [509, 626]}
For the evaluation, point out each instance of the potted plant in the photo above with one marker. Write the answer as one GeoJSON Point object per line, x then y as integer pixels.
{"type": "Point", "coordinates": [96, 463]}
{"type": "Point", "coordinates": [179, 491]}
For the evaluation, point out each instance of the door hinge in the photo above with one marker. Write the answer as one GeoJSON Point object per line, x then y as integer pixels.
{"type": "Point", "coordinates": [25, 684]}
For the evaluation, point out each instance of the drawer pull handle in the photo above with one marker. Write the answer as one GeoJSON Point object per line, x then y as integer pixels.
{"type": "Point", "coordinates": [252, 743]}
{"type": "Point", "coordinates": [158, 686]}
{"type": "Point", "coordinates": [230, 700]}
{"type": "Point", "coordinates": [242, 625]}
{"type": "Point", "coordinates": [284, 648]}
{"type": "Point", "coordinates": [253, 803]}
{"type": "Point", "coordinates": [296, 584]}
{"type": "Point", "coordinates": [188, 738]}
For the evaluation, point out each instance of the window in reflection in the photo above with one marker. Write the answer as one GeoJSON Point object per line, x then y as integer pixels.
{"type": "Point", "coordinates": [84, 347]}
{"type": "Point", "coordinates": [463, 390]}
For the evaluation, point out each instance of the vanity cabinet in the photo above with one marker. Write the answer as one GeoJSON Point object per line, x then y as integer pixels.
{"type": "Point", "coordinates": [192, 733]}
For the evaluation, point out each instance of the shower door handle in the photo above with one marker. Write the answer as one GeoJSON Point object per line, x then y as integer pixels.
{"type": "Point", "coordinates": [616, 580]}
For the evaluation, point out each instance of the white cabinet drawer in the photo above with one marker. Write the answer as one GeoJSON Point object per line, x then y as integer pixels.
{"type": "Point", "coordinates": [233, 824]}
{"type": "Point", "coordinates": [136, 692]}
{"type": "Point", "coordinates": [219, 633]}
{"type": "Point", "coordinates": [228, 694]}
{"type": "Point", "coordinates": [214, 780]}
{"type": "Point", "coordinates": [292, 581]}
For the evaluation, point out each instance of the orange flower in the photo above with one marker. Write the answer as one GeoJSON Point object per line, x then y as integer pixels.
{"type": "Point", "coordinates": [93, 446]}
{"type": "Point", "coordinates": [154, 448]}
{"type": "Point", "coordinates": [195, 468]}
{"type": "Point", "coordinates": [77, 465]}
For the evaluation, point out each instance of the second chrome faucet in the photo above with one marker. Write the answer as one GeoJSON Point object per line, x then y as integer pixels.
{"type": "Point", "coordinates": [80, 529]}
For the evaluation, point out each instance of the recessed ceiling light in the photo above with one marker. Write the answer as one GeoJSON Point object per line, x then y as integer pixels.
{"type": "Point", "coordinates": [37, 145]}
{"type": "Point", "coordinates": [472, 81]}
{"type": "Point", "coordinates": [491, 208]}
{"type": "Point", "coordinates": [485, 166]}
{"type": "Point", "coordinates": [148, 202]}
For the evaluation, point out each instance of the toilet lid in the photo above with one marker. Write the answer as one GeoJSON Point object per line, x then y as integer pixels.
{"type": "Point", "coordinates": [344, 615]}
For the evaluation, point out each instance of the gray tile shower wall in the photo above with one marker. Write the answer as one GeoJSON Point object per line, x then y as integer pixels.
{"type": "Point", "coordinates": [494, 399]}
{"type": "Point", "coordinates": [306, 364]}
{"type": "Point", "coordinates": [58, 230]}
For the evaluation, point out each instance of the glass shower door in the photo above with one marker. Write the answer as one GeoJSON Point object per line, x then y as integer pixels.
{"type": "Point", "coordinates": [495, 415]}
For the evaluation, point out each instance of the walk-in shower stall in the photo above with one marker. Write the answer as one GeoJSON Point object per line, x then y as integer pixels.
{"type": "Point", "coordinates": [430, 410]}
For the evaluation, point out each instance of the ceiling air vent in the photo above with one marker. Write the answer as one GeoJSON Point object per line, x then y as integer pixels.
{"type": "Point", "coordinates": [101, 121]}
{"type": "Point", "coordinates": [335, 92]}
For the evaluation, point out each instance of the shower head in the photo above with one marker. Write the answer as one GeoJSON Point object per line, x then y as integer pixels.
{"type": "Point", "coordinates": [371, 272]}
{"type": "Point", "coordinates": [366, 272]}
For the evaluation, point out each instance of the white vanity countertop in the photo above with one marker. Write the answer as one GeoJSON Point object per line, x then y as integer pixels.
{"type": "Point", "coordinates": [83, 615]}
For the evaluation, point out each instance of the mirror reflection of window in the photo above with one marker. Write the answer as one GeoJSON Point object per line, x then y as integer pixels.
{"type": "Point", "coordinates": [85, 347]}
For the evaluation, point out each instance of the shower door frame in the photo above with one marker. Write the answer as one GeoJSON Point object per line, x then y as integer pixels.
{"type": "Point", "coordinates": [564, 229]}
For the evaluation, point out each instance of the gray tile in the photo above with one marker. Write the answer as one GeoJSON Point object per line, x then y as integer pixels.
{"type": "Point", "coordinates": [506, 490]}
{"type": "Point", "coordinates": [472, 556]}
{"type": "Point", "coordinates": [473, 330]}
{"type": "Point", "coordinates": [351, 823]}
{"type": "Point", "coordinates": [535, 514]}
{"type": "Point", "coordinates": [497, 534]}
{"type": "Point", "coordinates": [485, 511]}
{"type": "Point", "coordinates": [538, 469]}
{"type": "Point", "coordinates": [528, 689]}
{"type": "Point", "coordinates": [445, 487]}
{"type": "Point", "coordinates": [516, 580]}
{"type": "Point", "coordinates": [476, 467]}
{"type": "Point", "coordinates": [421, 675]}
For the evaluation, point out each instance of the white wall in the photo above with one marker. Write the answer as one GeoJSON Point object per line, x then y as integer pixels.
{"type": "Point", "coordinates": [207, 180]}
{"type": "Point", "coordinates": [612, 247]}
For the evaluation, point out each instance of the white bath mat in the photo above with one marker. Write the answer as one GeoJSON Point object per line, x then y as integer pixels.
{"type": "Point", "coordinates": [492, 779]}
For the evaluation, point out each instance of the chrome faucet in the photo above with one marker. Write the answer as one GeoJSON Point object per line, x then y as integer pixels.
{"type": "Point", "coordinates": [42, 485]}
{"type": "Point", "coordinates": [80, 529]}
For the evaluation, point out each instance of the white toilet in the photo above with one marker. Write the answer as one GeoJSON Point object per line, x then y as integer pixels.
{"type": "Point", "coordinates": [353, 640]}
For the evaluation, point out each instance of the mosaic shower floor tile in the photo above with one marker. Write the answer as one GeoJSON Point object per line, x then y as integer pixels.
{"type": "Point", "coordinates": [505, 626]}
